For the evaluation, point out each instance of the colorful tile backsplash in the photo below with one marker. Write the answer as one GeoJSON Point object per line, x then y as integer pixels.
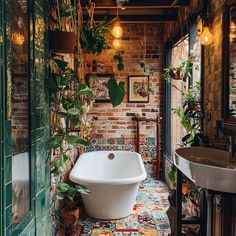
{"type": "Point", "coordinates": [147, 145]}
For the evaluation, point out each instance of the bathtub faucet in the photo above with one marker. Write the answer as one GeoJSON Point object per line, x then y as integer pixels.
{"type": "Point", "coordinates": [111, 156]}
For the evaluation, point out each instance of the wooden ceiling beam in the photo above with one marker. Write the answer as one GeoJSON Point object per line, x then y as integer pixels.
{"type": "Point", "coordinates": [137, 18]}
{"type": "Point", "coordinates": [106, 12]}
{"type": "Point", "coordinates": [140, 3]}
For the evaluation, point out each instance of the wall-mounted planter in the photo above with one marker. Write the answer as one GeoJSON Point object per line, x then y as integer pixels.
{"type": "Point", "coordinates": [62, 41]}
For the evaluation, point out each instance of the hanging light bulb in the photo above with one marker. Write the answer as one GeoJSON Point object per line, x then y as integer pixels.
{"type": "Point", "coordinates": [206, 37]}
{"type": "Point", "coordinates": [117, 30]}
{"type": "Point", "coordinates": [116, 43]}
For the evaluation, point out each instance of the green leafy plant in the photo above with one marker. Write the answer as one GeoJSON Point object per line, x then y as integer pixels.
{"type": "Point", "coordinates": [191, 112]}
{"type": "Point", "coordinates": [116, 91]}
{"type": "Point", "coordinates": [182, 72]}
{"type": "Point", "coordinates": [92, 37]}
{"type": "Point", "coordinates": [191, 116]}
{"type": "Point", "coordinates": [119, 58]}
{"type": "Point", "coordinates": [69, 192]}
{"type": "Point", "coordinates": [70, 101]}
{"type": "Point", "coordinates": [150, 71]}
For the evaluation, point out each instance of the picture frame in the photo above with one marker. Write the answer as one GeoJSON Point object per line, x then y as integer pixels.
{"type": "Point", "coordinates": [138, 89]}
{"type": "Point", "coordinates": [98, 83]}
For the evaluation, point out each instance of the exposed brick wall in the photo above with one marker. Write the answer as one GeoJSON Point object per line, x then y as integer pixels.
{"type": "Point", "coordinates": [116, 122]}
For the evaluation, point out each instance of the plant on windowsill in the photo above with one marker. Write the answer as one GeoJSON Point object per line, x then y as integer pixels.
{"type": "Point", "coordinates": [191, 112]}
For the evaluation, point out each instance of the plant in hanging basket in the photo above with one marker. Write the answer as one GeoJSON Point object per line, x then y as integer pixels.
{"type": "Point", "coordinates": [92, 37]}
{"type": "Point", "coordinates": [182, 72]}
{"type": "Point", "coordinates": [62, 38]}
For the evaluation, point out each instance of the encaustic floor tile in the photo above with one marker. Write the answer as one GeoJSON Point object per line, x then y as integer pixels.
{"type": "Point", "coordinates": [148, 216]}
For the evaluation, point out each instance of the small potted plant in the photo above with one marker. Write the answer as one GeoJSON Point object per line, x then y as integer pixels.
{"type": "Point", "coordinates": [66, 194]}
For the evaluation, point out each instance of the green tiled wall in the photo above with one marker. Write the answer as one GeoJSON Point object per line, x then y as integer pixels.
{"type": "Point", "coordinates": [37, 222]}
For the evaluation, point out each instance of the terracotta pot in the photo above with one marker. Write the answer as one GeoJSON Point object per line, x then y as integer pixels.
{"type": "Point", "coordinates": [62, 41]}
{"type": "Point", "coordinates": [70, 216]}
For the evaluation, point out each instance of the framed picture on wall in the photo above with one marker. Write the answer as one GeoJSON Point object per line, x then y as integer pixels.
{"type": "Point", "coordinates": [98, 83]}
{"type": "Point", "coordinates": [138, 89]}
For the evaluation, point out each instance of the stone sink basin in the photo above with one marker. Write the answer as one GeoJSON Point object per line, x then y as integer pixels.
{"type": "Point", "coordinates": [207, 168]}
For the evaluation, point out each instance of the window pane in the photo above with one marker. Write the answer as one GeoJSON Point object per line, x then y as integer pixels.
{"type": "Point", "coordinates": [20, 109]}
{"type": "Point", "coordinates": [179, 54]}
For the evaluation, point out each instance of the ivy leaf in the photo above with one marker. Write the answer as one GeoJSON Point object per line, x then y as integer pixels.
{"type": "Point", "coordinates": [60, 196]}
{"type": "Point", "coordinates": [120, 66]}
{"type": "Point", "coordinates": [71, 139]}
{"type": "Point", "coordinates": [85, 91]}
{"type": "Point", "coordinates": [82, 143]}
{"type": "Point", "coordinates": [73, 111]}
{"type": "Point", "coordinates": [55, 141]}
{"type": "Point", "coordinates": [116, 91]}
{"type": "Point", "coordinates": [186, 137]}
{"type": "Point", "coordinates": [61, 64]}
{"type": "Point", "coordinates": [63, 187]}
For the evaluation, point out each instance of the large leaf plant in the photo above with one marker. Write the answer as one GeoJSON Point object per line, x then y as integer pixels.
{"type": "Point", "coordinates": [71, 99]}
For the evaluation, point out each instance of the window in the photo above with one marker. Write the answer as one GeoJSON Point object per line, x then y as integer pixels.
{"type": "Point", "coordinates": [187, 47]}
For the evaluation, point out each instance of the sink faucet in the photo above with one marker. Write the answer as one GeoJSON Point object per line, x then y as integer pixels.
{"type": "Point", "coordinates": [231, 146]}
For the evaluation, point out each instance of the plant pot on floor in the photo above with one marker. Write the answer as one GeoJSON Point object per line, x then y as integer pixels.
{"type": "Point", "coordinates": [70, 217]}
{"type": "Point", "coordinates": [62, 41]}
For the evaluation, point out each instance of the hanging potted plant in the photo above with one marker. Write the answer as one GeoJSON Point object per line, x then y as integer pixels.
{"type": "Point", "coordinates": [182, 72]}
{"type": "Point", "coordinates": [92, 35]}
{"type": "Point", "coordinates": [69, 211]}
{"type": "Point", "coordinates": [62, 36]}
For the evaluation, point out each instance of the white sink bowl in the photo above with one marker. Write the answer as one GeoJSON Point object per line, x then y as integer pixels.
{"type": "Point", "coordinates": [207, 168]}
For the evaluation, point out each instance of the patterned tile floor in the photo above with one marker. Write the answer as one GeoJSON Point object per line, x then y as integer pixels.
{"type": "Point", "coordinates": [148, 217]}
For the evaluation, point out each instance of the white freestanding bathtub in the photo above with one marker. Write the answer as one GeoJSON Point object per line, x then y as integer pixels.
{"type": "Point", "coordinates": [113, 177]}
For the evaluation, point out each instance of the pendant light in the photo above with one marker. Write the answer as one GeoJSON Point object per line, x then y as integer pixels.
{"type": "Point", "coordinates": [117, 30]}
{"type": "Point", "coordinates": [116, 43]}
{"type": "Point", "coordinates": [204, 25]}
{"type": "Point", "coordinates": [206, 37]}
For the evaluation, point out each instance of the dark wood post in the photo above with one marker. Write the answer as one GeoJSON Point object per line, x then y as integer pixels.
{"type": "Point", "coordinates": [178, 222]}
{"type": "Point", "coordinates": [138, 136]}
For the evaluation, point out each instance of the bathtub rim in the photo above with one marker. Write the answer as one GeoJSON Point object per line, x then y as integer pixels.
{"type": "Point", "coordinates": [119, 181]}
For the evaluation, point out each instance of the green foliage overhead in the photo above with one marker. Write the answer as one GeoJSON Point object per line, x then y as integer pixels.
{"type": "Point", "coordinates": [116, 91]}
{"type": "Point", "coordinates": [92, 38]}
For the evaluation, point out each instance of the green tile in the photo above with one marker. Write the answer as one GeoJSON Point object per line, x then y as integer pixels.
{"type": "Point", "coordinates": [9, 216]}
{"type": "Point", "coordinates": [8, 194]}
{"type": "Point", "coordinates": [8, 169]}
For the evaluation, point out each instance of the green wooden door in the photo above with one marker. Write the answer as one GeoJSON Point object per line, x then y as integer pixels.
{"type": "Point", "coordinates": [35, 216]}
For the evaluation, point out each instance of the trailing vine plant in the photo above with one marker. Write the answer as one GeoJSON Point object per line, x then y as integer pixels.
{"type": "Point", "coordinates": [71, 100]}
